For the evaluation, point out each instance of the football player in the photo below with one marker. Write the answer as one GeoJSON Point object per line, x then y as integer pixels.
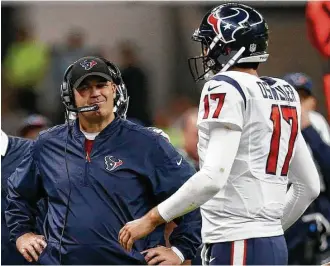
{"type": "Point", "coordinates": [250, 145]}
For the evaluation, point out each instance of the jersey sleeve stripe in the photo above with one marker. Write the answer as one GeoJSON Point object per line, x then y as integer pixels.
{"type": "Point", "coordinates": [232, 82]}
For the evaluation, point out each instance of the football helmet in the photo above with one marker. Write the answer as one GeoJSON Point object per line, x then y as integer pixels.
{"type": "Point", "coordinates": [229, 34]}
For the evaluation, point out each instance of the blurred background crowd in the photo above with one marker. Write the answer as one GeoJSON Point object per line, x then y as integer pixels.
{"type": "Point", "coordinates": [150, 42]}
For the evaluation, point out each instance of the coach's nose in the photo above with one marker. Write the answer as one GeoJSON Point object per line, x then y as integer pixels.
{"type": "Point", "coordinates": [95, 92]}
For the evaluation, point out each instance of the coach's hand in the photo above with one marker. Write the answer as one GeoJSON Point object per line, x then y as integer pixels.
{"type": "Point", "coordinates": [161, 256]}
{"type": "Point", "coordinates": [139, 228]}
{"type": "Point", "coordinates": [31, 245]}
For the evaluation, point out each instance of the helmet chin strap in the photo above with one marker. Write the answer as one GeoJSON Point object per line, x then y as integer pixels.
{"type": "Point", "coordinates": [210, 73]}
{"type": "Point", "coordinates": [233, 60]}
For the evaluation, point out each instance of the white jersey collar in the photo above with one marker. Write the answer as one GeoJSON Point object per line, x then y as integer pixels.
{"type": "Point", "coordinates": [90, 136]}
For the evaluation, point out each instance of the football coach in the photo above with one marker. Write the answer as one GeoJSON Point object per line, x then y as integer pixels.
{"type": "Point", "coordinates": [98, 172]}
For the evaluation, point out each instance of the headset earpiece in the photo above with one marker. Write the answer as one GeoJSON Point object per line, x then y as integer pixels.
{"type": "Point", "coordinates": [66, 92]}
{"type": "Point", "coordinates": [115, 72]}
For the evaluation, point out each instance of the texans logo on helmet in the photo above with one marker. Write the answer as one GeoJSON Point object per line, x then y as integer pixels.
{"type": "Point", "coordinates": [111, 163]}
{"type": "Point", "coordinates": [87, 65]}
{"type": "Point", "coordinates": [226, 30]}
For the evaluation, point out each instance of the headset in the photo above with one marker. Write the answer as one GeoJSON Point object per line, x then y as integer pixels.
{"type": "Point", "coordinates": [67, 96]}
{"type": "Point", "coordinates": [121, 100]}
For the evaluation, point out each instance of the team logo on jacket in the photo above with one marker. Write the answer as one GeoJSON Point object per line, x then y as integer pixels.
{"type": "Point", "coordinates": [111, 163]}
{"type": "Point", "coordinates": [88, 64]}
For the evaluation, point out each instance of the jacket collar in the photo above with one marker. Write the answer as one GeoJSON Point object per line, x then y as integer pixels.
{"type": "Point", "coordinates": [108, 130]}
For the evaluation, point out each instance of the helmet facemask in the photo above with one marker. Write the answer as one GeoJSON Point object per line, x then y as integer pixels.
{"type": "Point", "coordinates": [212, 61]}
{"type": "Point", "coordinates": [202, 66]}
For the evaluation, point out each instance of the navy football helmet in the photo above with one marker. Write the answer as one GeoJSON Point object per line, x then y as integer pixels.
{"type": "Point", "coordinates": [230, 34]}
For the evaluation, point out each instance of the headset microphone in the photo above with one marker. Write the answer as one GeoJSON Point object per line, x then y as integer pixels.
{"type": "Point", "coordinates": [89, 108]}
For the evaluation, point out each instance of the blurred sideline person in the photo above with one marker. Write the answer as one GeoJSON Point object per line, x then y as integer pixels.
{"type": "Point", "coordinates": [13, 150]}
{"type": "Point", "coordinates": [189, 152]}
{"type": "Point", "coordinates": [250, 146]}
{"type": "Point", "coordinates": [25, 66]}
{"type": "Point", "coordinates": [98, 172]}
{"type": "Point", "coordinates": [315, 131]}
{"type": "Point", "coordinates": [137, 85]}
{"type": "Point", "coordinates": [314, 127]}
{"type": "Point", "coordinates": [190, 137]}
{"type": "Point", "coordinates": [190, 141]}
{"type": "Point", "coordinates": [304, 86]}
{"type": "Point", "coordinates": [317, 22]}
{"type": "Point", "coordinates": [32, 126]}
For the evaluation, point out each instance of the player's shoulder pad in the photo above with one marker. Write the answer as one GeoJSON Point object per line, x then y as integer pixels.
{"type": "Point", "coordinates": [224, 83]}
{"type": "Point", "coordinates": [269, 80]}
{"type": "Point", "coordinates": [273, 82]}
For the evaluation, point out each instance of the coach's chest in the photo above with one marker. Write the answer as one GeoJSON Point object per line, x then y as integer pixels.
{"type": "Point", "coordinates": [114, 170]}
{"type": "Point", "coordinates": [101, 169]}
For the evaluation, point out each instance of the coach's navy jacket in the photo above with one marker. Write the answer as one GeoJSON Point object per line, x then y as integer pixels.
{"type": "Point", "coordinates": [16, 150]}
{"type": "Point", "coordinates": [132, 170]}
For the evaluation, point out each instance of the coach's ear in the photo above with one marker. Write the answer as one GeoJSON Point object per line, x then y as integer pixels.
{"type": "Point", "coordinates": [114, 89]}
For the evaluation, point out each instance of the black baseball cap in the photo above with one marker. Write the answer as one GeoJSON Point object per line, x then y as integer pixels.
{"type": "Point", "coordinates": [89, 66]}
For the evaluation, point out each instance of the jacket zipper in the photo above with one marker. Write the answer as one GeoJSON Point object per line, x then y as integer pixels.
{"type": "Point", "coordinates": [85, 183]}
{"type": "Point", "coordinates": [88, 160]}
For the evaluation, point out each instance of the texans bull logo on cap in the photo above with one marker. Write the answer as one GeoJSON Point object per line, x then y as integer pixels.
{"type": "Point", "coordinates": [88, 64]}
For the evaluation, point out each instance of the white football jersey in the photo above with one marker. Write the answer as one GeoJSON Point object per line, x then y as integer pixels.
{"type": "Point", "coordinates": [267, 111]}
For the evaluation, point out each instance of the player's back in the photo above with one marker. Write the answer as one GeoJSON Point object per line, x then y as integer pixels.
{"type": "Point", "coordinates": [266, 110]}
